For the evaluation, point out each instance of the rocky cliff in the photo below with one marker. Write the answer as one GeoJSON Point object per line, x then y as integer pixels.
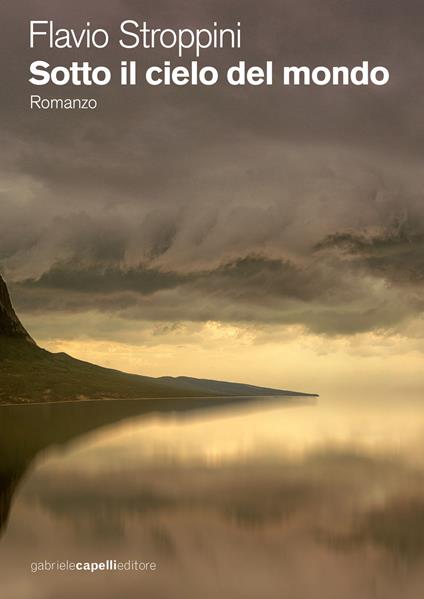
{"type": "Point", "coordinates": [10, 325]}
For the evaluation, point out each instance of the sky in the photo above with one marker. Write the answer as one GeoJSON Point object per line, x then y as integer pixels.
{"type": "Point", "coordinates": [270, 235]}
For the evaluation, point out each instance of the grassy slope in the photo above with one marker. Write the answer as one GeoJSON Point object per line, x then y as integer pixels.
{"type": "Point", "coordinates": [28, 374]}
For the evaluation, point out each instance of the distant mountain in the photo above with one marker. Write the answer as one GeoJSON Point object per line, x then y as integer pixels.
{"type": "Point", "coordinates": [222, 388]}
{"type": "Point", "coordinates": [31, 374]}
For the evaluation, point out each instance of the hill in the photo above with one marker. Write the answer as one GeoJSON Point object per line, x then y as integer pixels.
{"type": "Point", "coordinates": [30, 374]}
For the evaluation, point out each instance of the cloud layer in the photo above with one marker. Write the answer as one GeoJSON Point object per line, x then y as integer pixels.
{"type": "Point", "coordinates": [263, 205]}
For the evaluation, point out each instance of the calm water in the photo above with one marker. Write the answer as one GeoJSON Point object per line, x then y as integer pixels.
{"type": "Point", "coordinates": [270, 499]}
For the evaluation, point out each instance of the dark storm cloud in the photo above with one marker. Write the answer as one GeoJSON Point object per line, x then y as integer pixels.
{"type": "Point", "coordinates": [396, 254]}
{"type": "Point", "coordinates": [107, 280]}
{"type": "Point", "coordinates": [247, 290]}
{"type": "Point", "coordinates": [243, 205]}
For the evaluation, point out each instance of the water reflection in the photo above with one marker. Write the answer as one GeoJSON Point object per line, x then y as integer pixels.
{"type": "Point", "coordinates": [25, 431]}
{"type": "Point", "coordinates": [234, 507]}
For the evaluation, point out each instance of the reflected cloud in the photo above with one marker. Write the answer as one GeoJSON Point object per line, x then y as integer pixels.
{"type": "Point", "coordinates": [397, 527]}
{"type": "Point", "coordinates": [340, 517]}
{"type": "Point", "coordinates": [25, 431]}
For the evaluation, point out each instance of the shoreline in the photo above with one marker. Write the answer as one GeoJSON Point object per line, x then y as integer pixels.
{"type": "Point", "coordinates": [199, 397]}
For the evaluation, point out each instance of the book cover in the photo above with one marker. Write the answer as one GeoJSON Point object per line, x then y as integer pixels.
{"type": "Point", "coordinates": [211, 299]}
